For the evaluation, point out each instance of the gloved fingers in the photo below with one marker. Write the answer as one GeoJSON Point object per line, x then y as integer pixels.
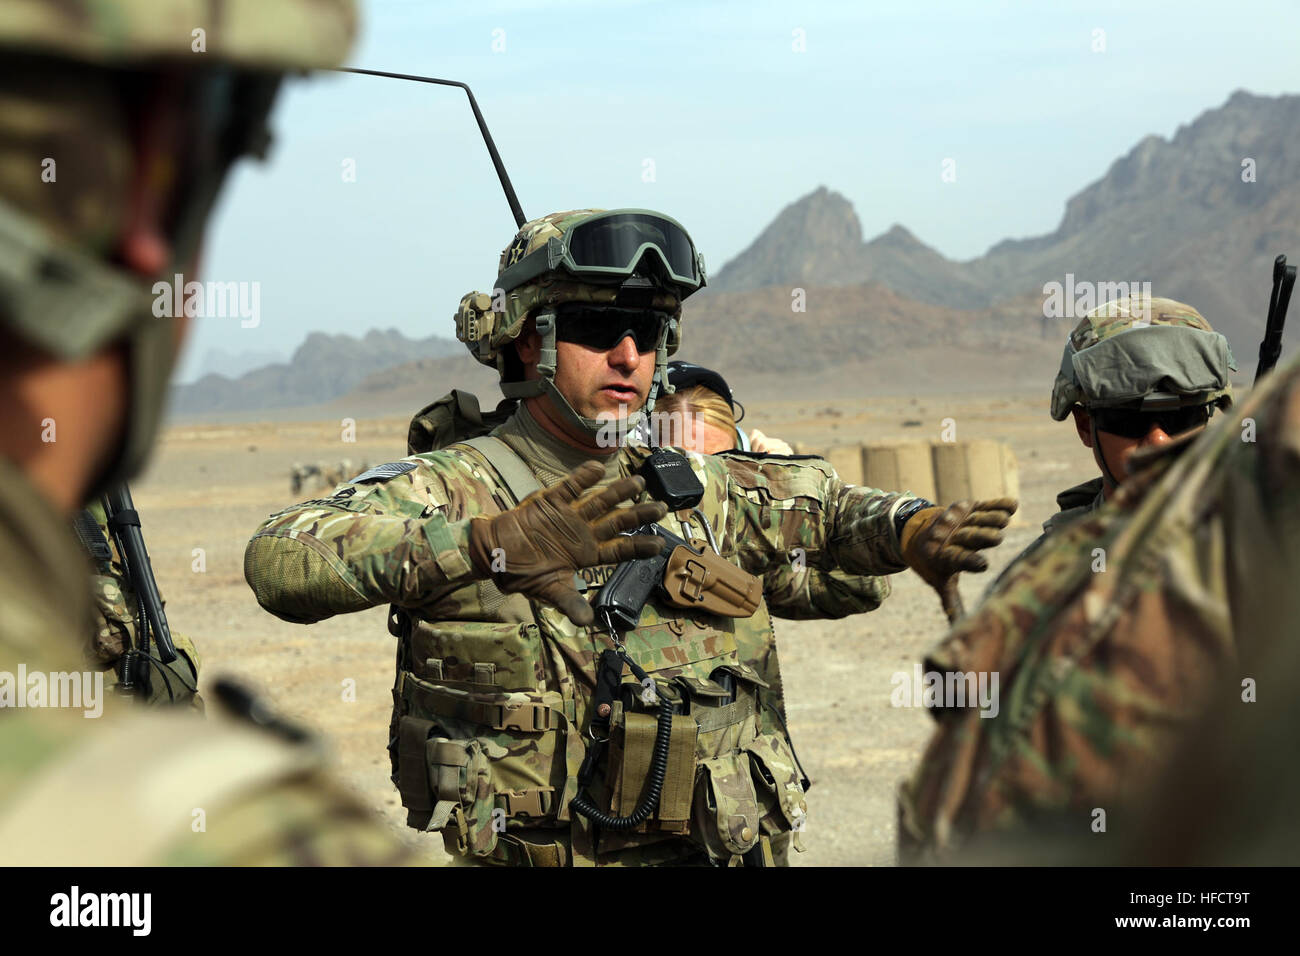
{"type": "Point", "coordinates": [976, 537]}
{"type": "Point", "coordinates": [625, 519]}
{"type": "Point", "coordinates": [960, 559]}
{"type": "Point", "coordinates": [987, 519]}
{"type": "Point", "coordinates": [574, 606]}
{"type": "Point", "coordinates": [629, 548]}
{"type": "Point", "coordinates": [598, 502]}
{"type": "Point", "coordinates": [1008, 505]}
{"type": "Point", "coordinates": [576, 482]}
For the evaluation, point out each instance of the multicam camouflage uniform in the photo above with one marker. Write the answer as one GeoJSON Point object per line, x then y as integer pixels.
{"type": "Point", "coordinates": [137, 786]}
{"type": "Point", "coordinates": [493, 695]}
{"type": "Point", "coordinates": [1112, 639]}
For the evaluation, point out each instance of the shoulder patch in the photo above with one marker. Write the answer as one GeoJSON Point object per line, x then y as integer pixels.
{"type": "Point", "coordinates": [383, 472]}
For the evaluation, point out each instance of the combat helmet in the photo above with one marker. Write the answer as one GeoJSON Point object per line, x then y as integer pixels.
{"type": "Point", "coordinates": [1146, 354]}
{"type": "Point", "coordinates": [80, 72]}
{"type": "Point", "coordinates": [605, 259]}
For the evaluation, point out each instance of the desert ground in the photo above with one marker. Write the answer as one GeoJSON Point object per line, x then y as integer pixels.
{"type": "Point", "coordinates": [210, 485]}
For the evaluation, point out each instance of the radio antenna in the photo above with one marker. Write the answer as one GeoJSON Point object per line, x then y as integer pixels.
{"type": "Point", "coordinates": [511, 198]}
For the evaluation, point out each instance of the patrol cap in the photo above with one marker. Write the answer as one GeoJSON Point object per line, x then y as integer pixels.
{"type": "Point", "coordinates": [1146, 353]}
{"type": "Point", "coordinates": [685, 375]}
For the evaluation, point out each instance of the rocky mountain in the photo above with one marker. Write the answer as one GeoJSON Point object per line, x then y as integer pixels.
{"type": "Point", "coordinates": [828, 350]}
{"type": "Point", "coordinates": [893, 313]}
{"type": "Point", "coordinates": [324, 367]}
{"type": "Point", "coordinates": [234, 364]}
{"type": "Point", "coordinates": [1200, 216]}
{"type": "Point", "coordinates": [817, 241]}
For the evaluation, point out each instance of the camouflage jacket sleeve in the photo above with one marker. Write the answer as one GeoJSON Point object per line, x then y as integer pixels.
{"type": "Point", "coordinates": [802, 594]}
{"type": "Point", "coordinates": [399, 540]}
{"type": "Point", "coordinates": [1111, 638]}
{"type": "Point", "coordinates": [782, 510]}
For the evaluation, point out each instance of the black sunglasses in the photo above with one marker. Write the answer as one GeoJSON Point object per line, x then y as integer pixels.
{"type": "Point", "coordinates": [603, 327]}
{"type": "Point", "coordinates": [1132, 423]}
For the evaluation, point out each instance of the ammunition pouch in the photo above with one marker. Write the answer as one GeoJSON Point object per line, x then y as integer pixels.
{"type": "Point", "coordinates": [466, 762]}
{"type": "Point", "coordinates": [727, 785]}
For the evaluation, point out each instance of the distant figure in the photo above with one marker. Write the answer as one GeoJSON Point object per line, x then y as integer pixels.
{"type": "Point", "coordinates": [702, 411]}
{"type": "Point", "coordinates": [701, 415]}
{"type": "Point", "coordinates": [320, 477]}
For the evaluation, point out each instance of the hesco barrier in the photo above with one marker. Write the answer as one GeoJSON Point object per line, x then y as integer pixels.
{"type": "Point", "coordinates": [940, 471]}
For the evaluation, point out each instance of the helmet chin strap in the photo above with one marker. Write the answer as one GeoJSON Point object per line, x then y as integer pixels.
{"type": "Point", "coordinates": [1101, 454]}
{"type": "Point", "coordinates": [590, 428]}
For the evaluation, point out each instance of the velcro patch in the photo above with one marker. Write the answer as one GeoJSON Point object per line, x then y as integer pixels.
{"type": "Point", "coordinates": [384, 472]}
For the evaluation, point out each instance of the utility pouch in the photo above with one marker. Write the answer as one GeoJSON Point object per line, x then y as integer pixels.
{"type": "Point", "coordinates": [470, 762]}
{"type": "Point", "coordinates": [727, 817]}
{"type": "Point", "coordinates": [633, 746]}
{"type": "Point", "coordinates": [778, 783]}
{"type": "Point", "coordinates": [461, 782]}
{"type": "Point", "coordinates": [698, 578]}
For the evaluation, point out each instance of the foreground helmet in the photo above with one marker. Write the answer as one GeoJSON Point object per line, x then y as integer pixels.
{"type": "Point", "coordinates": [78, 72]}
{"type": "Point", "coordinates": [619, 257]}
{"type": "Point", "coordinates": [1146, 354]}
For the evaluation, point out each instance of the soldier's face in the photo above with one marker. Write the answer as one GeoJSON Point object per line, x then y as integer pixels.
{"type": "Point", "coordinates": [598, 383]}
{"type": "Point", "coordinates": [705, 437]}
{"type": "Point", "coordinates": [1116, 450]}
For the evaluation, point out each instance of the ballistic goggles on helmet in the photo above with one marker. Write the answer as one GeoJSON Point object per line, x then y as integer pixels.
{"type": "Point", "coordinates": [603, 327]}
{"type": "Point", "coordinates": [1138, 422]}
{"type": "Point", "coordinates": [610, 246]}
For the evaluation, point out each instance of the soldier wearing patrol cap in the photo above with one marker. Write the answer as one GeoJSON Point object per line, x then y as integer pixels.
{"type": "Point", "coordinates": [1135, 373]}
{"type": "Point", "coordinates": [1132, 647]}
{"type": "Point", "coordinates": [528, 736]}
{"type": "Point", "coordinates": [115, 136]}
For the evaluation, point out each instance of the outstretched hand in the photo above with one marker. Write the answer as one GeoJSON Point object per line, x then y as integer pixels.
{"type": "Point", "coordinates": [534, 548]}
{"type": "Point", "coordinates": [940, 543]}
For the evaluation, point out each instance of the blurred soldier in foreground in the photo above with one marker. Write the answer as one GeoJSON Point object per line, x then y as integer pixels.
{"type": "Point", "coordinates": [113, 145]}
{"type": "Point", "coordinates": [1135, 374]}
{"type": "Point", "coordinates": [1112, 640]}
{"type": "Point", "coordinates": [531, 737]}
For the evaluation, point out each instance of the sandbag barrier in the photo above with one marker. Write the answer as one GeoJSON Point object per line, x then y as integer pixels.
{"type": "Point", "coordinates": [941, 471]}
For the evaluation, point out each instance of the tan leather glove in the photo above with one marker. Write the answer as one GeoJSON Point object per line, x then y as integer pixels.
{"type": "Point", "coordinates": [939, 543]}
{"type": "Point", "coordinates": [552, 533]}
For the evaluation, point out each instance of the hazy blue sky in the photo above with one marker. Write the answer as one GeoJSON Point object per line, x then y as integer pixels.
{"type": "Point", "coordinates": [737, 124]}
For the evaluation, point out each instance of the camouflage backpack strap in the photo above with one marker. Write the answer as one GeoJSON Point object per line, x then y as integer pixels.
{"type": "Point", "coordinates": [510, 468]}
